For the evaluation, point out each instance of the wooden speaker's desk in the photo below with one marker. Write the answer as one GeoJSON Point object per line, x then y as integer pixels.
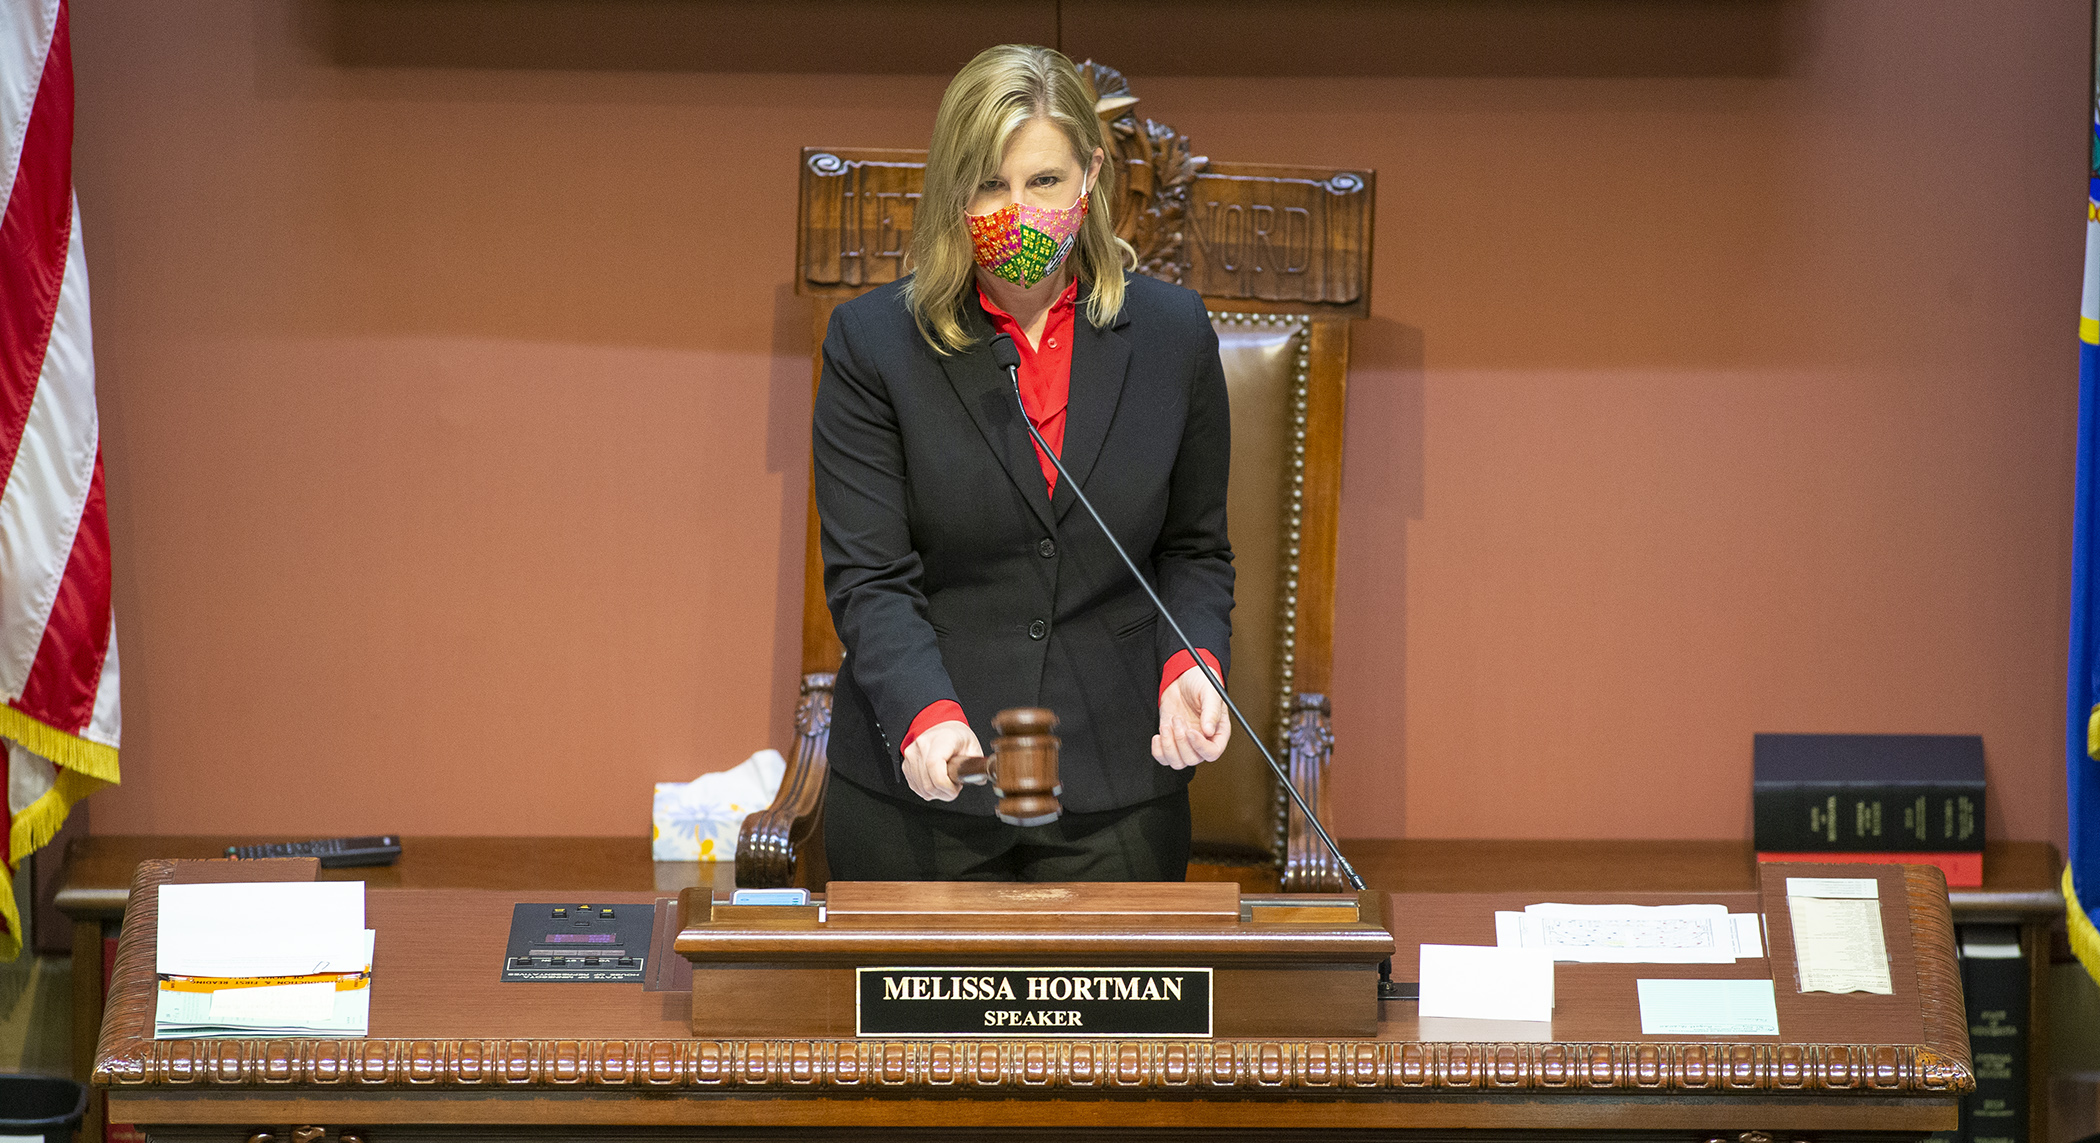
{"type": "Point", "coordinates": [455, 1054]}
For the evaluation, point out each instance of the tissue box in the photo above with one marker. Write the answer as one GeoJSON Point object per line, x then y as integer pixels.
{"type": "Point", "coordinates": [699, 820]}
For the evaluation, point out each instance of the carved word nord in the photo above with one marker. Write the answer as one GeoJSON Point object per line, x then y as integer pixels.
{"type": "Point", "coordinates": [1248, 237]}
{"type": "Point", "coordinates": [1278, 239]}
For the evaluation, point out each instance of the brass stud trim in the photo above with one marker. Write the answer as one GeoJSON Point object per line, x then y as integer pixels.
{"type": "Point", "coordinates": [1300, 326]}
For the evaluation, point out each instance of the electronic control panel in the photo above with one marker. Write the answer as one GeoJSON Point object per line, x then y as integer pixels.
{"type": "Point", "coordinates": [578, 942]}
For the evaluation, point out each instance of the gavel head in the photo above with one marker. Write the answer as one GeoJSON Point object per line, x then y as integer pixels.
{"type": "Point", "coordinates": [1024, 766]}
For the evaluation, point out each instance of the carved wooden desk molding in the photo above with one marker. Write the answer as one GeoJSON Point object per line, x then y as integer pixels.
{"type": "Point", "coordinates": [1139, 1067]}
{"type": "Point", "coordinates": [129, 1057]}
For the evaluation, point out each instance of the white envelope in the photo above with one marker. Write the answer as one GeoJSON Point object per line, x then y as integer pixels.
{"type": "Point", "coordinates": [1483, 982]}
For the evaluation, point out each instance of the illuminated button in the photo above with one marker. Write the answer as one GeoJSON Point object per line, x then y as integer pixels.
{"type": "Point", "coordinates": [605, 912]}
{"type": "Point", "coordinates": [561, 912]}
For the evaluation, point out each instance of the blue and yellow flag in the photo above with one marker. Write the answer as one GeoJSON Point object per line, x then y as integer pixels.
{"type": "Point", "coordinates": [2082, 876]}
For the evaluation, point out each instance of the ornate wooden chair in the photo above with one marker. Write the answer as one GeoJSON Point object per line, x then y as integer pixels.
{"type": "Point", "coordinates": [1283, 256]}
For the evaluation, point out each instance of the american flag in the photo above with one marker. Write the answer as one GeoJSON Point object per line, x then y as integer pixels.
{"type": "Point", "coordinates": [58, 644]}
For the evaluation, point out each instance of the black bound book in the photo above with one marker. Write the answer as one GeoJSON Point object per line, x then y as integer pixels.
{"type": "Point", "coordinates": [1867, 793]}
{"type": "Point", "coordinates": [1994, 981]}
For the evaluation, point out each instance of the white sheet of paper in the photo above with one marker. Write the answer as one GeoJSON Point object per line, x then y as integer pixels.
{"type": "Point", "coordinates": [1449, 1029]}
{"type": "Point", "coordinates": [1742, 936]}
{"type": "Point", "coordinates": [1749, 934]}
{"type": "Point", "coordinates": [1851, 887]}
{"type": "Point", "coordinates": [1987, 948]}
{"type": "Point", "coordinates": [188, 1016]}
{"type": "Point", "coordinates": [1627, 934]}
{"type": "Point", "coordinates": [292, 904]}
{"type": "Point", "coordinates": [275, 1003]}
{"type": "Point", "coordinates": [1556, 909]}
{"type": "Point", "coordinates": [266, 928]}
{"type": "Point", "coordinates": [1839, 945]}
{"type": "Point", "coordinates": [247, 952]}
{"type": "Point", "coordinates": [1482, 982]}
{"type": "Point", "coordinates": [1708, 1008]}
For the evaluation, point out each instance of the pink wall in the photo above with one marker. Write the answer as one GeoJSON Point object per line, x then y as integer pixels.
{"type": "Point", "coordinates": [455, 396]}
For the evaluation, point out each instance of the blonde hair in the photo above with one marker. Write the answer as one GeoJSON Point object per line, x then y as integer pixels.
{"type": "Point", "coordinates": [992, 97]}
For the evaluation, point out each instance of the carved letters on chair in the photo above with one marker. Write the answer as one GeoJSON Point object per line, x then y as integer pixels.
{"type": "Point", "coordinates": [1229, 231]}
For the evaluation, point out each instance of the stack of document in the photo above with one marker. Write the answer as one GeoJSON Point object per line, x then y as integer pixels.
{"type": "Point", "coordinates": [1633, 934]}
{"type": "Point", "coordinates": [1838, 942]}
{"type": "Point", "coordinates": [275, 958]}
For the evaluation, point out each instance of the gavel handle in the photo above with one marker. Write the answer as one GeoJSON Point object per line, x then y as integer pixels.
{"type": "Point", "coordinates": [969, 770]}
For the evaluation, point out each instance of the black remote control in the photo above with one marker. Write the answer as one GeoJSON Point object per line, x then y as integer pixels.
{"type": "Point", "coordinates": [334, 852]}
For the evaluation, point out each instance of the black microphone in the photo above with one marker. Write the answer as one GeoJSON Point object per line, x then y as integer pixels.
{"type": "Point", "coordinates": [1009, 357]}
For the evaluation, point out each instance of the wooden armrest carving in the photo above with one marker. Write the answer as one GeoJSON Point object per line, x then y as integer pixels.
{"type": "Point", "coordinates": [1308, 867]}
{"type": "Point", "coordinates": [773, 838]}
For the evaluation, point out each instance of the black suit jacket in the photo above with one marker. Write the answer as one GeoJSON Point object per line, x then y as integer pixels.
{"type": "Point", "coordinates": [950, 572]}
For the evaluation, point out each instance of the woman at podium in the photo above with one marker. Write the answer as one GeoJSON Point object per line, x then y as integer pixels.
{"type": "Point", "coordinates": [961, 574]}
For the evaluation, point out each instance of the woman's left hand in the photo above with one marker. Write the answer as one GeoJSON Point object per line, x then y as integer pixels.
{"type": "Point", "coordinates": [1192, 723]}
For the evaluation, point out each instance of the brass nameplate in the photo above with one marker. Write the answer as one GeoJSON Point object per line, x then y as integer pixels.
{"type": "Point", "coordinates": [1033, 1002]}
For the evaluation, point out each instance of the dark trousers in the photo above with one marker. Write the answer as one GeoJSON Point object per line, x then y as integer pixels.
{"type": "Point", "coordinates": [870, 837]}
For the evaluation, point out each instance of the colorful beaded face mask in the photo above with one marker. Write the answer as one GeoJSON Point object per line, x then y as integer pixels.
{"type": "Point", "coordinates": [1024, 244]}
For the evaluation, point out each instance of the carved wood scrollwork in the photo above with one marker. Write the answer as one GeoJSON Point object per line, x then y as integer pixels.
{"type": "Point", "coordinates": [1939, 974]}
{"type": "Point", "coordinates": [772, 839]}
{"type": "Point", "coordinates": [1308, 866]}
{"type": "Point", "coordinates": [857, 211]}
{"type": "Point", "coordinates": [1157, 165]}
{"type": "Point", "coordinates": [1138, 1069]}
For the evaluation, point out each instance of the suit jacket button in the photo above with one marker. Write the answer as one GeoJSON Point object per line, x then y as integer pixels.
{"type": "Point", "coordinates": [1047, 547]}
{"type": "Point", "coordinates": [1038, 629]}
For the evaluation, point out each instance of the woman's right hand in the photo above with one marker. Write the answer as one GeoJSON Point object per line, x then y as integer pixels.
{"type": "Point", "coordinates": [926, 759]}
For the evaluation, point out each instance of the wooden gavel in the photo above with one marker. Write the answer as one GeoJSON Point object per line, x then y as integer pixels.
{"type": "Point", "coordinates": [1022, 769]}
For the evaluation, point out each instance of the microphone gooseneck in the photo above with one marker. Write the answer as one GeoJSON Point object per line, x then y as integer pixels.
{"type": "Point", "coordinates": [1009, 357]}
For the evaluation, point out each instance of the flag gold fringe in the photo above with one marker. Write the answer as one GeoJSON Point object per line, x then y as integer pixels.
{"type": "Point", "coordinates": [2085, 939]}
{"type": "Point", "coordinates": [11, 940]}
{"type": "Point", "coordinates": [66, 751]}
{"type": "Point", "coordinates": [82, 768]}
